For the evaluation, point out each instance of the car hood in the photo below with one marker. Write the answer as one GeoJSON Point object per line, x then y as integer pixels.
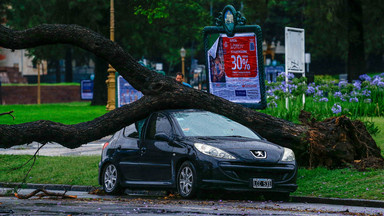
{"type": "Point", "coordinates": [245, 149]}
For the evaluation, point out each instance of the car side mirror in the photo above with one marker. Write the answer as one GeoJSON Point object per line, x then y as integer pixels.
{"type": "Point", "coordinates": [163, 137]}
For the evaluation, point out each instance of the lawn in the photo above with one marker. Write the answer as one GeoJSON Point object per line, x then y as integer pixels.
{"type": "Point", "coordinates": [66, 113]}
{"type": "Point", "coordinates": [83, 170]}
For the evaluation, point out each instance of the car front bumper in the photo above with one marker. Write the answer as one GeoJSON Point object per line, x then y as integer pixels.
{"type": "Point", "coordinates": [238, 176]}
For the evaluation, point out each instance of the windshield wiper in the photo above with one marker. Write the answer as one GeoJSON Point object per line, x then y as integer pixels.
{"type": "Point", "coordinates": [237, 136]}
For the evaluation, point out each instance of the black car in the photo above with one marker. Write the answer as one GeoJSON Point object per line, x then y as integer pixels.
{"type": "Point", "coordinates": [191, 150]}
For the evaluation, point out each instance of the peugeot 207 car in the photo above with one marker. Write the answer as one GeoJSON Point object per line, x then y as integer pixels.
{"type": "Point", "coordinates": [192, 150]}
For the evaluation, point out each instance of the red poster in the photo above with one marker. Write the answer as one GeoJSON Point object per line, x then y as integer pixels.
{"type": "Point", "coordinates": [240, 56]}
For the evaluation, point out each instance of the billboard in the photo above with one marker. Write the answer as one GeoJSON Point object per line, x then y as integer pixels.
{"type": "Point", "coordinates": [86, 88]}
{"type": "Point", "coordinates": [126, 94]}
{"type": "Point", "coordinates": [233, 68]}
{"type": "Point", "coordinates": [234, 60]}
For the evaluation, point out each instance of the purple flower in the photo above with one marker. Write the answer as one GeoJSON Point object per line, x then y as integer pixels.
{"type": "Point", "coordinates": [357, 84]}
{"type": "Point", "coordinates": [366, 92]}
{"type": "Point", "coordinates": [354, 99]}
{"type": "Point", "coordinates": [338, 94]}
{"type": "Point", "coordinates": [272, 104]}
{"type": "Point", "coordinates": [376, 80]}
{"type": "Point", "coordinates": [343, 84]}
{"type": "Point", "coordinates": [365, 77]}
{"type": "Point", "coordinates": [319, 93]}
{"type": "Point", "coordinates": [336, 108]}
{"type": "Point", "coordinates": [324, 99]}
{"type": "Point", "coordinates": [310, 90]}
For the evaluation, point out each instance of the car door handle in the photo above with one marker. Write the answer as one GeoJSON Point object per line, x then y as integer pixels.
{"type": "Point", "coordinates": [143, 150]}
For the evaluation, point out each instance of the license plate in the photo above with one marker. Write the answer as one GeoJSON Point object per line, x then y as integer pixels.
{"type": "Point", "coordinates": [262, 183]}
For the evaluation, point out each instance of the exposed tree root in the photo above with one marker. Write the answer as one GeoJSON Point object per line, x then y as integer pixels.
{"type": "Point", "coordinates": [339, 142]}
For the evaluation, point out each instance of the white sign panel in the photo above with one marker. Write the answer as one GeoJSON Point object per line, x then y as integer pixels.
{"type": "Point", "coordinates": [294, 50]}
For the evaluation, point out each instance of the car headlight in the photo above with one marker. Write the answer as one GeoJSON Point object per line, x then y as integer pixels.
{"type": "Point", "coordinates": [213, 151]}
{"type": "Point", "coordinates": [288, 155]}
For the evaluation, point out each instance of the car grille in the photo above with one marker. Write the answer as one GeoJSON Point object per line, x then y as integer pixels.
{"type": "Point", "coordinates": [247, 171]}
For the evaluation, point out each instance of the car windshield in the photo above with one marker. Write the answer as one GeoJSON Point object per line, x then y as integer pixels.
{"type": "Point", "coordinates": [207, 124]}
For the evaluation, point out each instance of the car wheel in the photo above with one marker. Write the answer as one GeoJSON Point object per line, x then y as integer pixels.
{"type": "Point", "coordinates": [186, 180]}
{"type": "Point", "coordinates": [276, 196]}
{"type": "Point", "coordinates": [110, 178]}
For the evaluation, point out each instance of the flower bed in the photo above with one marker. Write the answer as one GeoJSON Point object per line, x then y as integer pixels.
{"type": "Point", "coordinates": [326, 98]}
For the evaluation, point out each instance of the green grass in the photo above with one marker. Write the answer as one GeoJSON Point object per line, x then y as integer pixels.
{"type": "Point", "coordinates": [66, 113]}
{"type": "Point", "coordinates": [341, 183]}
{"type": "Point", "coordinates": [379, 137]}
{"type": "Point", "coordinates": [72, 170]}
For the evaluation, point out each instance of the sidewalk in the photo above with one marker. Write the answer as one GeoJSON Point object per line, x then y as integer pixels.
{"type": "Point", "coordinates": [55, 149]}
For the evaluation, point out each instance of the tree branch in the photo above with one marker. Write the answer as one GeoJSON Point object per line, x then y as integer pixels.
{"type": "Point", "coordinates": [8, 113]}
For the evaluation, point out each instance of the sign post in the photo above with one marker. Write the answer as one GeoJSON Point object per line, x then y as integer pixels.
{"type": "Point", "coordinates": [294, 54]}
{"type": "Point", "coordinates": [234, 60]}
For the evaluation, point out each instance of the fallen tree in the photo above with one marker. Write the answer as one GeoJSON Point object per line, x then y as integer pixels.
{"type": "Point", "coordinates": [335, 142]}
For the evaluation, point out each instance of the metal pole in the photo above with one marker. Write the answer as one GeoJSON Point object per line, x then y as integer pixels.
{"type": "Point", "coordinates": [182, 69]}
{"type": "Point", "coordinates": [111, 71]}
{"type": "Point", "coordinates": [38, 84]}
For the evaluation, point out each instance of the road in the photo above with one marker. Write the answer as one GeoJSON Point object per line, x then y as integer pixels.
{"type": "Point", "coordinates": [54, 149]}
{"type": "Point", "coordinates": [87, 204]}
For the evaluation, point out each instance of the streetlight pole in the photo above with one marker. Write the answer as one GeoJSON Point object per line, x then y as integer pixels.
{"type": "Point", "coordinates": [111, 71]}
{"type": "Point", "coordinates": [38, 84]}
{"type": "Point", "coordinates": [183, 53]}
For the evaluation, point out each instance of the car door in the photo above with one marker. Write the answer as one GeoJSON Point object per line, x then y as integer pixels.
{"type": "Point", "coordinates": [156, 155]}
{"type": "Point", "coordinates": [128, 154]}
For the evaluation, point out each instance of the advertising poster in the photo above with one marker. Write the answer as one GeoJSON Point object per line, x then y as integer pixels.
{"type": "Point", "coordinates": [233, 68]}
{"type": "Point", "coordinates": [86, 87]}
{"type": "Point", "coordinates": [126, 94]}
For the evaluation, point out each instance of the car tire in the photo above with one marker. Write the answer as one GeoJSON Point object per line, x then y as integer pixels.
{"type": "Point", "coordinates": [110, 179]}
{"type": "Point", "coordinates": [186, 180]}
{"type": "Point", "coordinates": [276, 196]}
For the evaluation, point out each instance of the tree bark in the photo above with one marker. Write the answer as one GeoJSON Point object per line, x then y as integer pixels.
{"type": "Point", "coordinates": [356, 51]}
{"type": "Point", "coordinates": [57, 70]}
{"type": "Point", "coordinates": [68, 65]}
{"type": "Point", "coordinates": [161, 92]}
{"type": "Point", "coordinates": [100, 87]}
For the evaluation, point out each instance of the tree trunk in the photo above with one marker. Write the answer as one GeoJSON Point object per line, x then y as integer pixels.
{"type": "Point", "coordinates": [57, 70]}
{"type": "Point", "coordinates": [100, 87]}
{"type": "Point", "coordinates": [356, 52]}
{"type": "Point", "coordinates": [68, 65]}
{"type": "Point", "coordinates": [334, 142]}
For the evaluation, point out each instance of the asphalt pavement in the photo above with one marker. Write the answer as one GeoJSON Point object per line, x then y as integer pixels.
{"type": "Point", "coordinates": [55, 149]}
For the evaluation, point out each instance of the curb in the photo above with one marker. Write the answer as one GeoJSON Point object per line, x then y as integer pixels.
{"type": "Point", "coordinates": [49, 187]}
{"type": "Point", "coordinates": [339, 201]}
{"type": "Point", "coordinates": [302, 199]}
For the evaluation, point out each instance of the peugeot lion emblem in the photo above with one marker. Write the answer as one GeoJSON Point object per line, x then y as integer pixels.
{"type": "Point", "coordinates": [260, 154]}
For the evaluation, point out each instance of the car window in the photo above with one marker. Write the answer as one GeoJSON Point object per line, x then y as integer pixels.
{"type": "Point", "coordinates": [158, 123]}
{"type": "Point", "coordinates": [207, 124]}
{"type": "Point", "coordinates": [151, 127]}
{"type": "Point", "coordinates": [130, 131]}
{"type": "Point", "coordinates": [163, 125]}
